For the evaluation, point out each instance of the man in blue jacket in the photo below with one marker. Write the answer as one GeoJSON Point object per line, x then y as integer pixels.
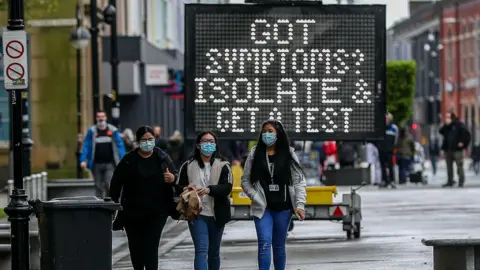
{"type": "Point", "coordinates": [103, 149]}
{"type": "Point", "coordinates": [386, 149]}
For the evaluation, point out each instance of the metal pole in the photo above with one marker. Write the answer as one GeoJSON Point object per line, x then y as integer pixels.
{"type": "Point", "coordinates": [95, 68]}
{"type": "Point", "coordinates": [27, 141]}
{"type": "Point", "coordinates": [18, 210]}
{"type": "Point", "coordinates": [115, 113]}
{"type": "Point", "coordinates": [79, 98]}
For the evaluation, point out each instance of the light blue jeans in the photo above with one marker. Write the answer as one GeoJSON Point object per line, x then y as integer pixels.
{"type": "Point", "coordinates": [272, 231]}
{"type": "Point", "coordinates": [207, 237]}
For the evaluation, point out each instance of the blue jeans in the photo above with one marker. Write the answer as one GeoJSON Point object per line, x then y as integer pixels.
{"type": "Point", "coordinates": [207, 237]}
{"type": "Point", "coordinates": [404, 164]}
{"type": "Point", "coordinates": [272, 231]}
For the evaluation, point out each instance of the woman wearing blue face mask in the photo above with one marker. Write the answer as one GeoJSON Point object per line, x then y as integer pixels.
{"type": "Point", "coordinates": [210, 175]}
{"type": "Point", "coordinates": [275, 183]}
{"type": "Point", "coordinates": [143, 182]}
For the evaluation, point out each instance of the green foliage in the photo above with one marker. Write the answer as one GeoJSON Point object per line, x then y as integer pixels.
{"type": "Point", "coordinates": [401, 89]}
{"type": "Point", "coordinates": [35, 9]}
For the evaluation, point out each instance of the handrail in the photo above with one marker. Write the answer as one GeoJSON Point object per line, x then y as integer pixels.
{"type": "Point", "coordinates": [35, 186]}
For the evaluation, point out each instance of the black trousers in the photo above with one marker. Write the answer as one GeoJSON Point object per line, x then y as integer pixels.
{"type": "Point", "coordinates": [386, 162]}
{"type": "Point", "coordinates": [143, 240]}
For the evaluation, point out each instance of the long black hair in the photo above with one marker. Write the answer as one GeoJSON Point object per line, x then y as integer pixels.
{"type": "Point", "coordinates": [283, 157]}
{"type": "Point", "coordinates": [196, 155]}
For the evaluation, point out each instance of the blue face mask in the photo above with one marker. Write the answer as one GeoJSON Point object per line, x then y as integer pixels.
{"type": "Point", "coordinates": [147, 146]}
{"type": "Point", "coordinates": [208, 148]}
{"type": "Point", "coordinates": [269, 138]}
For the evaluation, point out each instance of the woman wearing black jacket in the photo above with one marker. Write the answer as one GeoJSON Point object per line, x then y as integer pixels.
{"type": "Point", "coordinates": [210, 175]}
{"type": "Point", "coordinates": [143, 182]}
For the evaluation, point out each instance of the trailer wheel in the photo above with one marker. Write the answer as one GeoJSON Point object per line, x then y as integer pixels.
{"type": "Point", "coordinates": [356, 233]}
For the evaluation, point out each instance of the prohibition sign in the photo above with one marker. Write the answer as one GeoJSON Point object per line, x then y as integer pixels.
{"type": "Point", "coordinates": [14, 49]}
{"type": "Point", "coordinates": [15, 71]}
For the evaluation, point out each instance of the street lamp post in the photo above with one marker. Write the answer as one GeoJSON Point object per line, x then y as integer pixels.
{"type": "Point", "coordinates": [110, 17]}
{"type": "Point", "coordinates": [18, 210]}
{"type": "Point", "coordinates": [432, 50]}
{"type": "Point", "coordinates": [79, 38]}
{"type": "Point", "coordinates": [95, 58]}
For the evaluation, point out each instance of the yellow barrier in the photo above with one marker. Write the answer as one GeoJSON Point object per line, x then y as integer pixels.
{"type": "Point", "coordinates": [315, 196]}
{"type": "Point", "coordinates": [237, 172]}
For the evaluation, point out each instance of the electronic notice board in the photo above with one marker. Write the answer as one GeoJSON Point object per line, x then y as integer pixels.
{"type": "Point", "coordinates": [319, 69]}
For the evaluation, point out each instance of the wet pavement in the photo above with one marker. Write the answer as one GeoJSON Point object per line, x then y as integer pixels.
{"type": "Point", "coordinates": [394, 222]}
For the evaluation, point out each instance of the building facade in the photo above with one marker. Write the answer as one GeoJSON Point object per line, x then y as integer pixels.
{"type": "Point", "coordinates": [151, 35]}
{"type": "Point", "coordinates": [417, 38]}
{"type": "Point", "coordinates": [460, 65]}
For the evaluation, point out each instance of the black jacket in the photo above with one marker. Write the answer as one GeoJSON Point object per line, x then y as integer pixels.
{"type": "Point", "coordinates": [219, 192]}
{"type": "Point", "coordinates": [454, 134]}
{"type": "Point", "coordinates": [142, 198]}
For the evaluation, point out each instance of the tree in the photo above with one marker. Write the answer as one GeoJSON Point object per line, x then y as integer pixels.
{"type": "Point", "coordinates": [401, 89]}
{"type": "Point", "coordinates": [34, 8]}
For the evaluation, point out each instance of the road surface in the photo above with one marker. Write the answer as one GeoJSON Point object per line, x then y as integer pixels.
{"type": "Point", "coordinates": [394, 222]}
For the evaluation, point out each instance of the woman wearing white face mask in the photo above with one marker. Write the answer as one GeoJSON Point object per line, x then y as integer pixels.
{"type": "Point", "coordinates": [143, 182]}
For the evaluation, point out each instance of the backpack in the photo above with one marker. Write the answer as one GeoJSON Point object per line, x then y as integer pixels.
{"type": "Point", "coordinates": [189, 206]}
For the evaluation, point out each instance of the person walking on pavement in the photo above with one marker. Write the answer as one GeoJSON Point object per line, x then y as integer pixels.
{"type": "Point", "coordinates": [405, 154]}
{"type": "Point", "coordinates": [456, 139]}
{"type": "Point", "coordinates": [103, 148]}
{"type": "Point", "coordinates": [373, 158]}
{"type": "Point", "coordinates": [143, 183]}
{"type": "Point", "coordinates": [386, 149]}
{"type": "Point", "coordinates": [160, 141]}
{"type": "Point", "coordinates": [128, 139]}
{"type": "Point", "coordinates": [275, 182]}
{"type": "Point", "coordinates": [175, 148]}
{"type": "Point", "coordinates": [210, 175]}
{"type": "Point", "coordinates": [434, 151]}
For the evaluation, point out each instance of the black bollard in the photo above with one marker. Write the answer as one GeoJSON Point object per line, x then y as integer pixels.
{"type": "Point", "coordinates": [18, 210]}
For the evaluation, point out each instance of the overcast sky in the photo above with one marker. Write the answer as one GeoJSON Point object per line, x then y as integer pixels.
{"type": "Point", "coordinates": [396, 9]}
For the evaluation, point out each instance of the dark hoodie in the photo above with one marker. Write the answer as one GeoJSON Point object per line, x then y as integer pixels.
{"type": "Point", "coordinates": [176, 152]}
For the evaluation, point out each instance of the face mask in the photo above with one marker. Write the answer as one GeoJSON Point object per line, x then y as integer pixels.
{"type": "Point", "coordinates": [208, 148]}
{"type": "Point", "coordinates": [147, 146]}
{"type": "Point", "coordinates": [269, 138]}
{"type": "Point", "coordinates": [101, 123]}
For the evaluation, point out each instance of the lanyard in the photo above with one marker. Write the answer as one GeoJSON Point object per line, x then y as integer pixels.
{"type": "Point", "coordinates": [271, 168]}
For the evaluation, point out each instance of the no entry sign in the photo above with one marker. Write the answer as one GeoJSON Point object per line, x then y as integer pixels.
{"type": "Point", "coordinates": [15, 60]}
{"type": "Point", "coordinates": [319, 69]}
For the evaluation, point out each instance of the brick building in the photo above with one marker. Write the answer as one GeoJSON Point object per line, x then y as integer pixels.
{"type": "Point", "coordinates": [460, 63]}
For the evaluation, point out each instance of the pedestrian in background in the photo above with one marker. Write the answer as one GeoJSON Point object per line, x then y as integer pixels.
{"type": "Point", "coordinates": [175, 148]}
{"type": "Point", "coordinates": [128, 139]}
{"type": "Point", "coordinates": [386, 149]}
{"type": "Point", "coordinates": [434, 151]}
{"type": "Point", "coordinates": [274, 181]}
{"type": "Point", "coordinates": [373, 158]}
{"type": "Point", "coordinates": [210, 175]}
{"type": "Point", "coordinates": [456, 139]}
{"type": "Point", "coordinates": [143, 183]}
{"type": "Point", "coordinates": [103, 148]}
{"type": "Point", "coordinates": [405, 154]}
{"type": "Point", "coordinates": [160, 141]}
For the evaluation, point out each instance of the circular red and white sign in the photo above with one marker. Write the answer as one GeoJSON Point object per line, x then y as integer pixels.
{"type": "Point", "coordinates": [15, 71]}
{"type": "Point", "coordinates": [14, 49]}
